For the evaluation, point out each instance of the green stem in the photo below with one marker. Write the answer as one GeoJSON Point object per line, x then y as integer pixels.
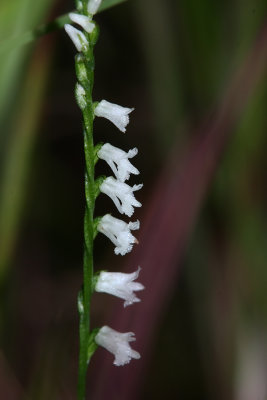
{"type": "Point", "coordinates": [85, 75]}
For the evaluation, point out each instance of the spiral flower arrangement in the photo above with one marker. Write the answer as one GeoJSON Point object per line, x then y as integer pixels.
{"type": "Point", "coordinates": [119, 232]}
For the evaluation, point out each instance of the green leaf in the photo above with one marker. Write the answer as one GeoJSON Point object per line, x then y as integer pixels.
{"type": "Point", "coordinates": [17, 152]}
{"type": "Point", "coordinates": [30, 36]}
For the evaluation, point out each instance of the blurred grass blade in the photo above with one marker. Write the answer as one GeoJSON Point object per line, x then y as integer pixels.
{"type": "Point", "coordinates": [58, 23]}
{"type": "Point", "coordinates": [18, 153]}
{"type": "Point", "coordinates": [182, 186]}
{"type": "Point", "coordinates": [30, 36]}
{"type": "Point", "coordinates": [109, 3]}
{"type": "Point", "coordinates": [15, 19]}
{"type": "Point", "coordinates": [160, 52]}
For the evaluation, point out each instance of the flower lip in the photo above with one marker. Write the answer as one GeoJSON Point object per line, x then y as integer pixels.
{"type": "Point", "coordinates": [118, 344]}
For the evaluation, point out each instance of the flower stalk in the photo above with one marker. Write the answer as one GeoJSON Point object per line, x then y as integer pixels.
{"type": "Point", "coordinates": [119, 232]}
{"type": "Point", "coordinates": [84, 64]}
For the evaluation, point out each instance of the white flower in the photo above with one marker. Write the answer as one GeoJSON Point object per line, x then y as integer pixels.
{"type": "Point", "coordinates": [118, 344]}
{"type": "Point", "coordinates": [119, 233]}
{"type": "Point", "coordinates": [121, 194]}
{"type": "Point", "coordinates": [120, 285]}
{"type": "Point", "coordinates": [82, 20]}
{"type": "Point", "coordinates": [118, 160]}
{"type": "Point", "coordinates": [93, 6]}
{"type": "Point", "coordinates": [118, 115]}
{"type": "Point", "coordinates": [78, 38]}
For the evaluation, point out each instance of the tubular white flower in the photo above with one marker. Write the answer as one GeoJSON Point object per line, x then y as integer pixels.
{"type": "Point", "coordinates": [120, 285]}
{"type": "Point", "coordinates": [119, 233]}
{"type": "Point", "coordinates": [118, 160]}
{"type": "Point", "coordinates": [78, 38]}
{"type": "Point", "coordinates": [118, 344]}
{"type": "Point", "coordinates": [118, 115]}
{"type": "Point", "coordinates": [93, 6]}
{"type": "Point", "coordinates": [82, 20]}
{"type": "Point", "coordinates": [121, 194]}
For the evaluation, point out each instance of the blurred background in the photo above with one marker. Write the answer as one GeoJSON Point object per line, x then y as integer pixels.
{"type": "Point", "coordinates": [196, 73]}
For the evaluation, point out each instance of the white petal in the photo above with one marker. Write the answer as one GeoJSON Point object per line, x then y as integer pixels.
{"type": "Point", "coordinates": [93, 6]}
{"type": "Point", "coordinates": [82, 20]}
{"type": "Point", "coordinates": [134, 225]}
{"type": "Point", "coordinates": [77, 37]}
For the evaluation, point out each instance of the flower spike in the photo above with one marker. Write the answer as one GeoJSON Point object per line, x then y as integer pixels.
{"type": "Point", "coordinates": [118, 115]}
{"type": "Point", "coordinates": [93, 6]}
{"type": "Point", "coordinates": [121, 194]}
{"type": "Point", "coordinates": [78, 38]}
{"type": "Point", "coordinates": [118, 160]}
{"type": "Point", "coordinates": [119, 233]}
{"type": "Point", "coordinates": [120, 284]}
{"type": "Point", "coordinates": [83, 21]}
{"type": "Point", "coordinates": [118, 344]}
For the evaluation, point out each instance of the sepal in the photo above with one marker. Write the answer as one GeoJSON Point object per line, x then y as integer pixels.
{"type": "Point", "coordinates": [92, 345]}
{"type": "Point", "coordinates": [98, 183]}
{"type": "Point", "coordinates": [96, 150]}
{"type": "Point", "coordinates": [96, 223]}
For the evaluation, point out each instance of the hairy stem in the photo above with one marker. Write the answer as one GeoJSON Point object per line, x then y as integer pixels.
{"type": "Point", "coordinates": [85, 75]}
